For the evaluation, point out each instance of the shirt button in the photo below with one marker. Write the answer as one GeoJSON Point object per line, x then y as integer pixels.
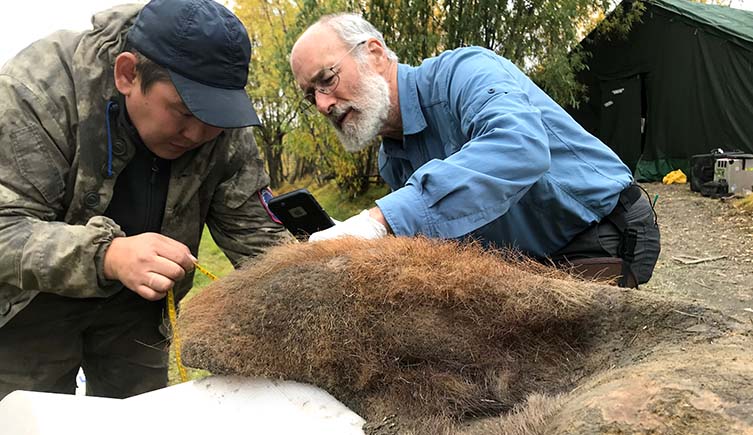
{"type": "Point", "coordinates": [119, 148]}
{"type": "Point", "coordinates": [490, 90]}
{"type": "Point", "coordinates": [91, 199]}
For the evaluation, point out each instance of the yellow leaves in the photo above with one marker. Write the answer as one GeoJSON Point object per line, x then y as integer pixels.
{"type": "Point", "coordinates": [267, 23]}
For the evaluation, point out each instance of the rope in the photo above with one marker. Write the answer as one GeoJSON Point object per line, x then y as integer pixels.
{"type": "Point", "coordinates": [172, 314]}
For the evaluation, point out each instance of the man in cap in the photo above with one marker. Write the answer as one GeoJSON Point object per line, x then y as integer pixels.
{"type": "Point", "coordinates": [472, 148]}
{"type": "Point", "coordinates": [117, 145]}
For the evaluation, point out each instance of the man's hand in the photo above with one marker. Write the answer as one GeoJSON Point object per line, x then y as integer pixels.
{"type": "Point", "coordinates": [369, 224]}
{"type": "Point", "coordinates": [149, 264]}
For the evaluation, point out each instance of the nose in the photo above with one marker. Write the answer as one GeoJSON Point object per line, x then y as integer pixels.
{"type": "Point", "coordinates": [324, 102]}
{"type": "Point", "coordinates": [198, 132]}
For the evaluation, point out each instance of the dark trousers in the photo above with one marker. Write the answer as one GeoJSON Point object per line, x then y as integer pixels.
{"type": "Point", "coordinates": [603, 240]}
{"type": "Point", "coordinates": [116, 340]}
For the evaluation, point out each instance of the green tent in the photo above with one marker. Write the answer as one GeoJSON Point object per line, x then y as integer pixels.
{"type": "Point", "coordinates": [680, 84]}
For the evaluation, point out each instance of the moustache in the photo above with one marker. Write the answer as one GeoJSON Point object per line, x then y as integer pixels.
{"type": "Point", "coordinates": [337, 113]}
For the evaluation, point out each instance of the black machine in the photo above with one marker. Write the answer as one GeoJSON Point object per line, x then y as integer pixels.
{"type": "Point", "coordinates": [300, 213]}
{"type": "Point", "coordinates": [702, 167]}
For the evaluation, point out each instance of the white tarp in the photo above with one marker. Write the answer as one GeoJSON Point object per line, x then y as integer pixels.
{"type": "Point", "coordinates": [214, 405]}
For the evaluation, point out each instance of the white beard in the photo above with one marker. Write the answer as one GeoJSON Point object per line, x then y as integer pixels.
{"type": "Point", "coordinates": [368, 116]}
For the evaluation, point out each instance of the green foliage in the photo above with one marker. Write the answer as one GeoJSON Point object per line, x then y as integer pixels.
{"type": "Point", "coordinates": [413, 29]}
{"type": "Point", "coordinates": [270, 86]}
{"type": "Point", "coordinates": [620, 21]}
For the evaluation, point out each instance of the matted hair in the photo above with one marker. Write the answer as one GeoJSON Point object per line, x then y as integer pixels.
{"type": "Point", "coordinates": [352, 29]}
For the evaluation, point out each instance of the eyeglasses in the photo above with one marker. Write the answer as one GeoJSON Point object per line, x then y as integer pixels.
{"type": "Point", "coordinates": [325, 82]}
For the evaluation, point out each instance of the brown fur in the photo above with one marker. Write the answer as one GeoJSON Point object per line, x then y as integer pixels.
{"type": "Point", "coordinates": [436, 333]}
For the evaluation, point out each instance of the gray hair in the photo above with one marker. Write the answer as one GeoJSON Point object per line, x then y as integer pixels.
{"type": "Point", "coordinates": [353, 29]}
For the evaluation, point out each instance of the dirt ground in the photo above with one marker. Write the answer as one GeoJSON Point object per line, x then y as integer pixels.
{"type": "Point", "coordinates": [694, 227]}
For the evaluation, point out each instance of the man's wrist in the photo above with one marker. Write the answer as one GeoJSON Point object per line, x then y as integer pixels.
{"type": "Point", "coordinates": [376, 214]}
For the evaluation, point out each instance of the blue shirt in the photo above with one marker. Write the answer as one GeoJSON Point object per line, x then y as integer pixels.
{"type": "Point", "coordinates": [487, 154]}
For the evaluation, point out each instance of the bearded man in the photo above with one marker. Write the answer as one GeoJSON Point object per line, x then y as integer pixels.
{"type": "Point", "coordinates": [472, 148]}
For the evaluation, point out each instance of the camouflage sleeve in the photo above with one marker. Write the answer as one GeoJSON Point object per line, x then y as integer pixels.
{"type": "Point", "coordinates": [40, 252]}
{"type": "Point", "coordinates": [238, 218]}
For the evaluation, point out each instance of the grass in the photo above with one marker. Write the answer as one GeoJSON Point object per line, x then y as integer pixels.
{"type": "Point", "coordinates": [337, 205]}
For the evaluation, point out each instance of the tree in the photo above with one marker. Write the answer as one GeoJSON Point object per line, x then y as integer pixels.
{"type": "Point", "coordinates": [268, 22]}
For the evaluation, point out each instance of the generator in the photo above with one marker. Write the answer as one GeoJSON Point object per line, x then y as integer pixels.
{"type": "Point", "coordinates": [703, 166]}
{"type": "Point", "coordinates": [737, 172]}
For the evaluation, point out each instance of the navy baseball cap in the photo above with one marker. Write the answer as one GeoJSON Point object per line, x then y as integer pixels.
{"type": "Point", "coordinates": [206, 50]}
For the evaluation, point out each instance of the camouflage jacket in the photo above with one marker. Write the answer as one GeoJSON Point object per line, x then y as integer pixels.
{"type": "Point", "coordinates": [54, 184]}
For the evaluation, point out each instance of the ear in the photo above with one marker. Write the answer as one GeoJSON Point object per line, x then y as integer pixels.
{"type": "Point", "coordinates": [125, 73]}
{"type": "Point", "coordinates": [378, 55]}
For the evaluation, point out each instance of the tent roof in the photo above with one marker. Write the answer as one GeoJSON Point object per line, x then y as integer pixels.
{"type": "Point", "coordinates": [736, 22]}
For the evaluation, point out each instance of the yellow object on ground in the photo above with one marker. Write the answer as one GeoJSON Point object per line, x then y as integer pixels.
{"type": "Point", "coordinates": [676, 176]}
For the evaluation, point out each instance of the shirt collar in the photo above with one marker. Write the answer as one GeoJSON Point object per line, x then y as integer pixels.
{"type": "Point", "coordinates": [410, 106]}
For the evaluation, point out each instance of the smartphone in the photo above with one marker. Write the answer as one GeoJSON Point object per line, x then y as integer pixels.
{"type": "Point", "coordinates": [300, 213]}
